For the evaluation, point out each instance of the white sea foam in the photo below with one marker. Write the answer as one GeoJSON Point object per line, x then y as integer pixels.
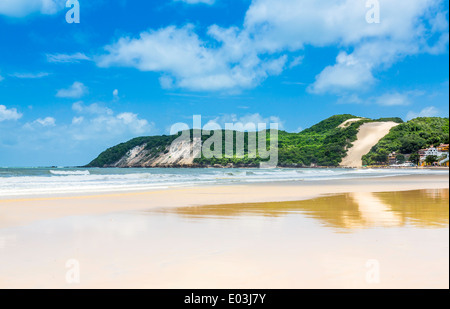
{"type": "Point", "coordinates": [69, 172]}
{"type": "Point", "coordinates": [25, 182]}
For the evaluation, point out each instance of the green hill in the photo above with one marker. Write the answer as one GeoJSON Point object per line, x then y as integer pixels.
{"type": "Point", "coordinates": [409, 138]}
{"type": "Point", "coordinates": [324, 144]}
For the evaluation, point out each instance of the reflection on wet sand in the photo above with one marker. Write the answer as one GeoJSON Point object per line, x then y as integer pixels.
{"type": "Point", "coordinates": [420, 208]}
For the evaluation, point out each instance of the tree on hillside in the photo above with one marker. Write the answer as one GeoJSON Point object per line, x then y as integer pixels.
{"type": "Point", "coordinates": [400, 159]}
{"type": "Point", "coordinates": [431, 159]}
{"type": "Point", "coordinates": [415, 158]}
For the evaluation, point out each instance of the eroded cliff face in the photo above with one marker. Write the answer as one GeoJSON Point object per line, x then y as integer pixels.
{"type": "Point", "coordinates": [179, 153]}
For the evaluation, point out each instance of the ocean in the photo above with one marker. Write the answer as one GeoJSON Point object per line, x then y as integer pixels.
{"type": "Point", "coordinates": [45, 181]}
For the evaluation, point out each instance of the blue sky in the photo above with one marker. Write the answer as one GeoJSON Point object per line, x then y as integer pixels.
{"type": "Point", "coordinates": [134, 68]}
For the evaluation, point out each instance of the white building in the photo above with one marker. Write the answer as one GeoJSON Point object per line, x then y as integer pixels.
{"type": "Point", "coordinates": [432, 151]}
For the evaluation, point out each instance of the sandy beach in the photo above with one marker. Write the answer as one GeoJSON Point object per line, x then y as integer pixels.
{"type": "Point", "coordinates": [318, 234]}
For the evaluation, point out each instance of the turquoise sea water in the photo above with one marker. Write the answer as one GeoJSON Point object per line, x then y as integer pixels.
{"type": "Point", "coordinates": [35, 181]}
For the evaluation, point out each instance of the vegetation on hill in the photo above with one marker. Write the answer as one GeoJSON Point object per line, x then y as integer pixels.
{"type": "Point", "coordinates": [324, 144]}
{"type": "Point", "coordinates": [409, 138]}
{"type": "Point", "coordinates": [114, 154]}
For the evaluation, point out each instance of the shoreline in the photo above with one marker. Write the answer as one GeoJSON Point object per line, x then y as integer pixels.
{"type": "Point", "coordinates": [22, 211]}
{"type": "Point", "coordinates": [107, 189]}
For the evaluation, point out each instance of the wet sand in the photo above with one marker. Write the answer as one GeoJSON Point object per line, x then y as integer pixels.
{"type": "Point", "coordinates": [15, 212]}
{"type": "Point", "coordinates": [345, 234]}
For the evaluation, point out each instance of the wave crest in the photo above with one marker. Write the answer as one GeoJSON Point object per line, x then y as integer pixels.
{"type": "Point", "coordinates": [66, 173]}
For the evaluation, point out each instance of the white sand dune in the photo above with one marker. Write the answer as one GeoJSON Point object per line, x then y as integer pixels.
{"type": "Point", "coordinates": [368, 136]}
{"type": "Point", "coordinates": [348, 122]}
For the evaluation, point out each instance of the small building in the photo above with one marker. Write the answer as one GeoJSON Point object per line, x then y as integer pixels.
{"type": "Point", "coordinates": [441, 151]}
{"type": "Point", "coordinates": [442, 147]}
{"type": "Point", "coordinates": [392, 158]}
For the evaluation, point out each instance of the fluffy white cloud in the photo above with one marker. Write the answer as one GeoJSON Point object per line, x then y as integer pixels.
{"type": "Point", "coordinates": [46, 122]}
{"type": "Point", "coordinates": [406, 28]}
{"type": "Point", "coordinates": [9, 114]}
{"type": "Point", "coordinates": [67, 58]}
{"type": "Point", "coordinates": [429, 111]}
{"type": "Point", "coordinates": [292, 24]}
{"type": "Point", "coordinates": [77, 120]}
{"type": "Point", "coordinates": [40, 123]}
{"type": "Point", "coordinates": [189, 61]}
{"type": "Point", "coordinates": [98, 120]}
{"type": "Point", "coordinates": [349, 73]}
{"type": "Point", "coordinates": [77, 90]}
{"type": "Point", "coordinates": [21, 8]}
{"type": "Point", "coordinates": [235, 58]}
{"type": "Point", "coordinates": [92, 129]}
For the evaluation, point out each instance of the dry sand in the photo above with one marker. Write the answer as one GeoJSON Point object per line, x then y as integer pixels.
{"type": "Point", "coordinates": [348, 122]}
{"type": "Point", "coordinates": [368, 136]}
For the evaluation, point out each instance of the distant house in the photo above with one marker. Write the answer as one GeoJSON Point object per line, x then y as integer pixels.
{"type": "Point", "coordinates": [442, 148]}
{"type": "Point", "coordinates": [440, 151]}
{"type": "Point", "coordinates": [392, 158]}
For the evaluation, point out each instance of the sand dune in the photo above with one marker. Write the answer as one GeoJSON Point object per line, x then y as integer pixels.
{"type": "Point", "coordinates": [349, 122]}
{"type": "Point", "coordinates": [368, 136]}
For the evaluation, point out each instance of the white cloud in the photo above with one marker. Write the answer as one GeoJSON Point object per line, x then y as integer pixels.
{"type": "Point", "coordinates": [350, 99]}
{"type": "Point", "coordinates": [430, 111]}
{"type": "Point", "coordinates": [393, 99]}
{"type": "Point", "coordinates": [22, 8]}
{"type": "Point", "coordinates": [99, 121]}
{"type": "Point", "coordinates": [296, 61]}
{"type": "Point", "coordinates": [9, 114]}
{"type": "Point", "coordinates": [46, 122]}
{"type": "Point", "coordinates": [40, 124]}
{"type": "Point", "coordinates": [30, 75]}
{"type": "Point", "coordinates": [92, 122]}
{"type": "Point", "coordinates": [349, 73]}
{"type": "Point", "coordinates": [77, 120]}
{"type": "Point", "coordinates": [77, 90]}
{"type": "Point", "coordinates": [77, 141]}
{"type": "Point", "coordinates": [116, 94]}
{"type": "Point", "coordinates": [93, 109]}
{"type": "Point", "coordinates": [102, 121]}
{"type": "Point", "coordinates": [190, 63]}
{"type": "Point", "coordinates": [67, 58]}
{"type": "Point", "coordinates": [236, 58]}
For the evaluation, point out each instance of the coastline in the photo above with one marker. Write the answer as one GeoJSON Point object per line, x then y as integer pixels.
{"type": "Point", "coordinates": [22, 211]}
